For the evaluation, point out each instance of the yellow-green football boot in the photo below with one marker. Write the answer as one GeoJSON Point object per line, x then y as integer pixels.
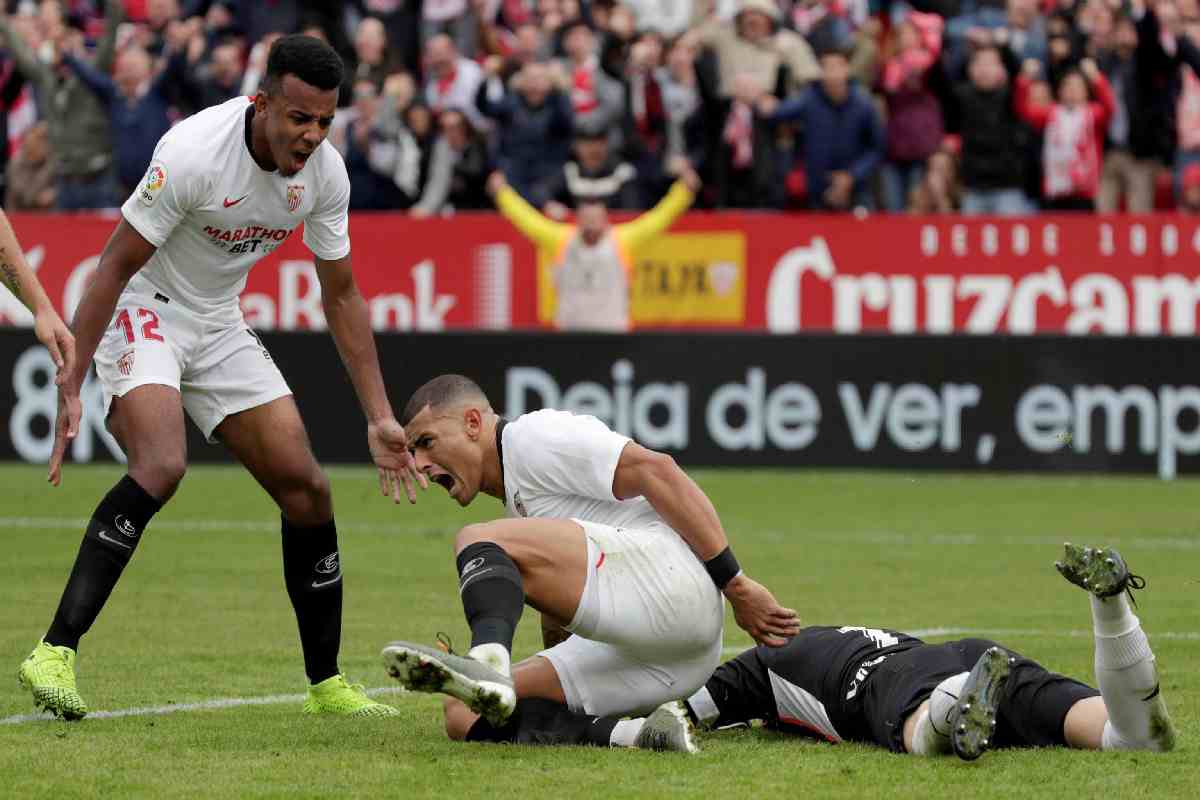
{"type": "Point", "coordinates": [49, 673]}
{"type": "Point", "coordinates": [337, 696]}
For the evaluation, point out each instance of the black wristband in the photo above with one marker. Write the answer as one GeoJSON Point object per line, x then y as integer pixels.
{"type": "Point", "coordinates": [723, 568]}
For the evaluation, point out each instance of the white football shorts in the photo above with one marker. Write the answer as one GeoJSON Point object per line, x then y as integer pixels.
{"type": "Point", "coordinates": [648, 628]}
{"type": "Point", "coordinates": [218, 369]}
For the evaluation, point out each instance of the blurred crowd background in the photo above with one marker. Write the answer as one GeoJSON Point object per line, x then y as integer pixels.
{"type": "Point", "coordinates": [926, 106]}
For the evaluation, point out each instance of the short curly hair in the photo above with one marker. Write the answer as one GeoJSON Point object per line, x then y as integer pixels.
{"type": "Point", "coordinates": [306, 57]}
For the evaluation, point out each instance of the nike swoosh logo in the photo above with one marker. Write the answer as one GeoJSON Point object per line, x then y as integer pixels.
{"type": "Point", "coordinates": [319, 584]}
{"type": "Point", "coordinates": [230, 203]}
{"type": "Point", "coordinates": [120, 544]}
{"type": "Point", "coordinates": [1152, 695]}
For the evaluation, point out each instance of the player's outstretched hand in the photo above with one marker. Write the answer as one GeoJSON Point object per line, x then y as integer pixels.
{"type": "Point", "coordinates": [56, 336]}
{"type": "Point", "coordinates": [66, 427]}
{"type": "Point", "coordinates": [759, 614]}
{"type": "Point", "coordinates": [397, 467]}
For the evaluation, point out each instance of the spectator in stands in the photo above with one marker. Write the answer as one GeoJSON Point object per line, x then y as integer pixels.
{"type": "Point", "coordinates": [217, 80]}
{"type": "Point", "coordinates": [32, 173]}
{"type": "Point", "coordinates": [755, 43]}
{"type": "Point", "coordinates": [451, 80]}
{"type": "Point", "coordinates": [939, 190]}
{"type": "Point", "coordinates": [1184, 41]}
{"type": "Point", "coordinates": [458, 168]}
{"type": "Point", "coordinates": [844, 138]}
{"type": "Point", "coordinates": [591, 261]}
{"type": "Point", "coordinates": [1074, 134]}
{"type": "Point", "coordinates": [593, 174]}
{"type": "Point", "coordinates": [733, 146]}
{"type": "Point", "coordinates": [78, 123]}
{"type": "Point", "coordinates": [681, 94]}
{"type": "Point", "coordinates": [914, 115]}
{"type": "Point", "coordinates": [1064, 47]}
{"type": "Point", "coordinates": [1139, 137]}
{"type": "Point", "coordinates": [994, 140]}
{"type": "Point", "coordinates": [374, 56]}
{"type": "Point", "coordinates": [402, 137]}
{"type": "Point", "coordinates": [535, 126]}
{"type": "Point", "coordinates": [371, 156]}
{"type": "Point", "coordinates": [616, 34]}
{"type": "Point", "coordinates": [401, 20]}
{"type": "Point", "coordinates": [138, 106]}
{"type": "Point", "coordinates": [645, 116]}
{"type": "Point", "coordinates": [596, 98]}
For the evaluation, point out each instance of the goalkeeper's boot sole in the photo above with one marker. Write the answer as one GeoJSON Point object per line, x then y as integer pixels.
{"type": "Point", "coordinates": [488, 693]}
{"type": "Point", "coordinates": [1101, 572]}
{"type": "Point", "coordinates": [973, 718]}
{"type": "Point", "coordinates": [667, 729]}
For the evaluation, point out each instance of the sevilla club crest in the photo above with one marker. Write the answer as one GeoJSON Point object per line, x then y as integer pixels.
{"type": "Point", "coordinates": [125, 364]}
{"type": "Point", "coordinates": [295, 196]}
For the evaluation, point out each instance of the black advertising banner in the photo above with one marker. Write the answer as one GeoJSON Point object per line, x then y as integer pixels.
{"type": "Point", "coordinates": [996, 403]}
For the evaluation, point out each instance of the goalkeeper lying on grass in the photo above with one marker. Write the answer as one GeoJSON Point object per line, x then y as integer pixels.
{"type": "Point", "coordinates": [884, 687]}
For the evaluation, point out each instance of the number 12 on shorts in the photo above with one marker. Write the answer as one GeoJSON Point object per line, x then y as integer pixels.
{"type": "Point", "coordinates": [149, 327]}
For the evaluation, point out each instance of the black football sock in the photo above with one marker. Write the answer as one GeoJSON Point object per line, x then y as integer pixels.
{"type": "Point", "coordinates": [493, 595]}
{"type": "Point", "coordinates": [112, 534]}
{"type": "Point", "coordinates": [312, 573]}
{"type": "Point", "coordinates": [545, 722]}
{"type": "Point", "coordinates": [739, 691]}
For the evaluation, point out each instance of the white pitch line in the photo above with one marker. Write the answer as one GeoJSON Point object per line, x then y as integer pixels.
{"type": "Point", "coordinates": [222, 703]}
{"type": "Point", "coordinates": [216, 704]}
{"type": "Point", "coordinates": [204, 526]}
{"type": "Point", "coordinates": [1162, 543]}
{"type": "Point", "coordinates": [920, 633]}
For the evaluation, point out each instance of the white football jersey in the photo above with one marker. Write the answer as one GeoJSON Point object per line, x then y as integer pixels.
{"type": "Point", "coordinates": [213, 212]}
{"type": "Point", "coordinates": [561, 465]}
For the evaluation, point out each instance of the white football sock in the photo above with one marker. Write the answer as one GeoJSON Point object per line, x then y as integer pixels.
{"type": "Point", "coordinates": [1128, 679]}
{"type": "Point", "coordinates": [703, 706]}
{"type": "Point", "coordinates": [931, 736]}
{"type": "Point", "coordinates": [626, 732]}
{"type": "Point", "coordinates": [494, 655]}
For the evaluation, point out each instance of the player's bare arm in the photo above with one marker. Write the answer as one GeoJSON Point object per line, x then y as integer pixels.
{"type": "Point", "coordinates": [49, 328]}
{"type": "Point", "coordinates": [684, 506]}
{"type": "Point", "coordinates": [127, 252]}
{"type": "Point", "coordinates": [350, 325]}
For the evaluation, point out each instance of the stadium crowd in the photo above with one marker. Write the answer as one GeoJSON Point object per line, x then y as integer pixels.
{"type": "Point", "coordinates": [927, 106]}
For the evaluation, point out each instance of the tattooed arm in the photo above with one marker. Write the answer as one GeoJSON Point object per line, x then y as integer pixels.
{"type": "Point", "coordinates": [19, 279]}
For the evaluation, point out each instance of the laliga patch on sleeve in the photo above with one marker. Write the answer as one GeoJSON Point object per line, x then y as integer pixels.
{"type": "Point", "coordinates": [152, 184]}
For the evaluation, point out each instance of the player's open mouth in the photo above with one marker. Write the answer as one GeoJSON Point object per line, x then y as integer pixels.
{"type": "Point", "coordinates": [445, 481]}
{"type": "Point", "coordinates": [301, 157]}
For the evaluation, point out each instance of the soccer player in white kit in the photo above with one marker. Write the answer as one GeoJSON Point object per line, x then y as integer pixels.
{"type": "Point", "coordinates": [607, 539]}
{"type": "Point", "coordinates": [225, 188]}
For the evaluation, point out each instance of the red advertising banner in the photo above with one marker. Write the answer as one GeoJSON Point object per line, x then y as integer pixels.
{"type": "Point", "coordinates": [765, 272]}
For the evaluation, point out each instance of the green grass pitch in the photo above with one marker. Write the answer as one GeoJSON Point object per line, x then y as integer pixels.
{"type": "Point", "coordinates": [201, 614]}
